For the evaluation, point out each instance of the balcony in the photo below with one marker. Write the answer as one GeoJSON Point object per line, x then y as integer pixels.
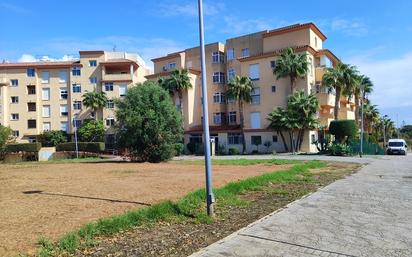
{"type": "Point", "coordinates": [319, 71]}
{"type": "Point", "coordinates": [326, 99]}
{"type": "Point", "coordinates": [117, 77]}
{"type": "Point", "coordinates": [4, 81]}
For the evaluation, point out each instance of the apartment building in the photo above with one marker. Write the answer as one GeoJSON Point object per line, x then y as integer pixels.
{"type": "Point", "coordinates": [253, 55]}
{"type": "Point", "coordinates": [47, 95]}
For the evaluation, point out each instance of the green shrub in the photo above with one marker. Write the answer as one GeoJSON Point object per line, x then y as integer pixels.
{"type": "Point", "coordinates": [343, 130]}
{"type": "Point", "coordinates": [179, 149]}
{"type": "Point", "coordinates": [340, 150]}
{"type": "Point", "coordinates": [93, 147]}
{"type": "Point", "coordinates": [221, 149]}
{"type": "Point", "coordinates": [5, 134]}
{"type": "Point", "coordinates": [149, 125]}
{"type": "Point", "coordinates": [233, 151]}
{"type": "Point", "coordinates": [26, 147]}
{"type": "Point", "coordinates": [91, 131]}
{"type": "Point", "coordinates": [52, 138]}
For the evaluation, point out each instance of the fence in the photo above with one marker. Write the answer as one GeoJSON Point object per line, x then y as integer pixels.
{"type": "Point", "coordinates": [368, 148]}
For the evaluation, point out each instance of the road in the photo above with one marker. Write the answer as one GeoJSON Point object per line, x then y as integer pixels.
{"type": "Point", "coordinates": [366, 214]}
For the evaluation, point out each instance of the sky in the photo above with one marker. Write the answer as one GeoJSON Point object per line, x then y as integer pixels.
{"type": "Point", "coordinates": [375, 35]}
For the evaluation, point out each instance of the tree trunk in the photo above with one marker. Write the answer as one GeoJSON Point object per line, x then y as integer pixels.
{"type": "Point", "coordinates": [337, 100]}
{"type": "Point", "coordinates": [283, 141]}
{"type": "Point", "coordinates": [302, 134]}
{"type": "Point", "coordinates": [292, 140]}
{"type": "Point", "coordinates": [242, 124]}
{"type": "Point", "coordinates": [292, 84]}
{"type": "Point", "coordinates": [179, 93]}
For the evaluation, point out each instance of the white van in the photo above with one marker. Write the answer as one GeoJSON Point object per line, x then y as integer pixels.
{"type": "Point", "coordinates": [396, 146]}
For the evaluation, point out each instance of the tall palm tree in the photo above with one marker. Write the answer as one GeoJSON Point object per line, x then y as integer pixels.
{"type": "Point", "coordinates": [371, 115]}
{"type": "Point", "coordinates": [291, 65]}
{"type": "Point", "coordinates": [341, 78]}
{"type": "Point", "coordinates": [95, 101]}
{"type": "Point", "coordinates": [178, 81]}
{"type": "Point", "coordinates": [278, 121]}
{"type": "Point", "coordinates": [362, 87]}
{"type": "Point", "coordinates": [239, 89]}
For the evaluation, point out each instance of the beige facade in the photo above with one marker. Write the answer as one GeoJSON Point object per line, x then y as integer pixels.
{"type": "Point", "coordinates": [41, 96]}
{"type": "Point", "coordinates": [254, 56]}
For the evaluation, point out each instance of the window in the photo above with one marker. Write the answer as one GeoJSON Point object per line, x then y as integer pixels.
{"type": "Point", "coordinates": [230, 54]}
{"type": "Point", "coordinates": [232, 117]}
{"type": "Point", "coordinates": [77, 88]}
{"type": "Point", "coordinates": [218, 57]}
{"type": "Point", "coordinates": [245, 52]}
{"type": "Point", "coordinates": [234, 138]}
{"type": "Point", "coordinates": [31, 90]}
{"type": "Point", "coordinates": [219, 97]}
{"type": "Point", "coordinates": [31, 107]}
{"type": "Point", "coordinates": [256, 140]}
{"type": "Point", "coordinates": [31, 124]}
{"type": "Point", "coordinates": [46, 111]}
{"type": "Point", "coordinates": [255, 95]}
{"type": "Point", "coordinates": [93, 80]}
{"type": "Point", "coordinates": [255, 120]}
{"type": "Point", "coordinates": [14, 99]}
{"type": "Point", "coordinates": [45, 76]}
{"type": "Point", "coordinates": [254, 72]}
{"type": "Point", "coordinates": [46, 126]}
{"type": "Point", "coordinates": [92, 63]}
{"type": "Point", "coordinates": [77, 105]}
{"type": "Point", "coordinates": [64, 126]}
{"type": "Point", "coordinates": [45, 94]}
{"type": "Point", "coordinates": [77, 123]}
{"type": "Point", "coordinates": [110, 104]}
{"type": "Point", "coordinates": [109, 122]}
{"type": "Point", "coordinates": [122, 90]}
{"type": "Point", "coordinates": [76, 71]}
{"type": "Point", "coordinates": [31, 72]}
{"type": "Point", "coordinates": [15, 133]}
{"type": "Point", "coordinates": [172, 65]}
{"type": "Point", "coordinates": [14, 116]}
{"type": "Point", "coordinates": [14, 82]}
{"type": "Point", "coordinates": [64, 110]}
{"type": "Point", "coordinates": [272, 64]}
{"type": "Point", "coordinates": [219, 77]}
{"type": "Point", "coordinates": [62, 76]}
{"type": "Point", "coordinates": [63, 93]}
{"type": "Point", "coordinates": [231, 73]}
{"type": "Point", "coordinates": [108, 86]}
{"type": "Point", "coordinates": [273, 89]}
{"type": "Point", "coordinates": [219, 117]}
{"type": "Point", "coordinates": [274, 139]}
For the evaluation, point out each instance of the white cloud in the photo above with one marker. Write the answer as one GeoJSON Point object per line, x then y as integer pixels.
{"type": "Point", "coordinates": [392, 79]}
{"type": "Point", "coordinates": [45, 58]}
{"type": "Point", "coordinates": [13, 8]}
{"type": "Point", "coordinates": [236, 26]}
{"type": "Point", "coordinates": [27, 58]}
{"type": "Point", "coordinates": [350, 27]}
{"type": "Point", "coordinates": [189, 9]}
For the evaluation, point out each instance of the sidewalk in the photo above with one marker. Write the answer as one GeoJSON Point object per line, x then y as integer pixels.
{"type": "Point", "coordinates": [367, 214]}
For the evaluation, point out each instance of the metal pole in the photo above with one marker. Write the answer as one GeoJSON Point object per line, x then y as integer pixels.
{"type": "Point", "coordinates": [361, 135]}
{"type": "Point", "coordinates": [209, 193]}
{"type": "Point", "coordinates": [75, 137]}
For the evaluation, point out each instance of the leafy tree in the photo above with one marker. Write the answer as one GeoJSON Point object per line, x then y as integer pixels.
{"type": "Point", "coordinates": [291, 65]}
{"type": "Point", "coordinates": [5, 134]}
{"type": "Point", "coordinates": [406, 130]}
{"type": "Point", "coordinates": [342, 79]}
{"type": "Point", "coordinates": [300, 115]}
{"type": "Point", "coordinates": [177, 82]}
{"type": "Point", "coordinates": [149, 125]}
{"type": "Point", "coordinates": [343, 130]}
{"type": "Point", "coordinates": [91, 131]}
{"type": "Point", "coordinates": [95, 101]}
{"type": "Point", "coordinates": [240, 88]}
{"type": "Point", "coordinates": [52, 138]}
{"type": "Point", "coordinates": [371, 116]}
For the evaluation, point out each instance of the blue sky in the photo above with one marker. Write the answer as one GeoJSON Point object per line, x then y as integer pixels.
{"type": "Point", "coordinates": [374, 35]}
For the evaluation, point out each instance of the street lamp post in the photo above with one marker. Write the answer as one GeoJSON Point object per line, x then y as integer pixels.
{"type": "Point", "coordinates": [209, 193]}
{"type": "Point", "coordinates": [361, 134]}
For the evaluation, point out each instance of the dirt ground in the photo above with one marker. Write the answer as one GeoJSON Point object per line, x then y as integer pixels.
{"type": "Point", "coordinates": [52, 199]}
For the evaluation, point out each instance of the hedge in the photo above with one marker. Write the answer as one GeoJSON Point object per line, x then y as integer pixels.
{"type": "Point", "coordinates": [343, 128]}
{"type": "Point", "coordinates": [93, 147]}
{"type": "Point", "coordinates": [27, 147]}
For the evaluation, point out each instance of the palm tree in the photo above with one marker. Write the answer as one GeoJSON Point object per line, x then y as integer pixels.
{"type": "Point", "coordinates": [178, 81]}
{"type": "Point", "coordinates": [291, 65]}
{"type": "Point", "coordinates": [239, 89]}
{"type": "Point", "coordinates": [342, 79]}
{"type": "Point", "coordinates": [278, 121]}
{"type": "Point", "coordinates": [371, 115]}
{"type": "Point", "coordinates": [359, 90]}
{"type": "Point", "coordinates": [95, 100]}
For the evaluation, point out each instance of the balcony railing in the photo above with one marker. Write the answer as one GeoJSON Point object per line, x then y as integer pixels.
{"type": "Point", "coordinates": [117, 76]}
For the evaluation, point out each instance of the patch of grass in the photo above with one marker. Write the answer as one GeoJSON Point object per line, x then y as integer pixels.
{"type": "Point", "coordinates": [124, 171]}
{"type": "Point", "coordinates": [189, 208]}
{"type": "Point", "coordinates": [241, 162]}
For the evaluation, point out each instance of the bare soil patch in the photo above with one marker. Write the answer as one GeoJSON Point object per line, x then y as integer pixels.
{"type": "Point", "coordinates": [53, 199]}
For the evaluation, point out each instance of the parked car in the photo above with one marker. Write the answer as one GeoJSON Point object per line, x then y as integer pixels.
{"type": "Point", "coordinates": [396, 146]}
